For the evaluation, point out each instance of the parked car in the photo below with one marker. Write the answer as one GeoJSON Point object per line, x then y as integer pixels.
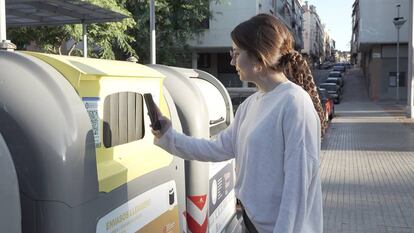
{"type": "Point", "coordinates": [339, 68]}
{"type": "Point", "coordinates": [339, 81]}
{"type": "Point", "coordinates": [327, 104]}
{"type": "Point", "coordinates": [326, 65]}
{"type": "Point", "coordinates": [334, 90]}
{"type": "Point", "coordinates": [335, 74]}
{"type": "Point", "coordinates": [348, 65]}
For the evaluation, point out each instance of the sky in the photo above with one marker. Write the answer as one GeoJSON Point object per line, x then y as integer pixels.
{"type": "Point", "coordinates": [337, 17]}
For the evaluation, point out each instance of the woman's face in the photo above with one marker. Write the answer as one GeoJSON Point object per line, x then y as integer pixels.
{"type": "Point", "coordinates": [245, 65]}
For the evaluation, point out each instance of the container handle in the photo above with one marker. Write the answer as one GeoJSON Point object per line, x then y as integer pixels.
{"type": "Point", "coordinates": [212, 122]}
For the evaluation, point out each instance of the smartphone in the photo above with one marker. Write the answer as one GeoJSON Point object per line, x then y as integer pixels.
{"type": "Point", "coordinates": [152, 112]}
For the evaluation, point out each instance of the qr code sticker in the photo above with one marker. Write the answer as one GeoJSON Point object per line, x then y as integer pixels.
{"type": "Point", "coordinates": [91, 105]}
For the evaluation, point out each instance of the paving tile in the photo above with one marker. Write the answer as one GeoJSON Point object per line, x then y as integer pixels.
{"type": "Point", "coordinates": [367, 165]}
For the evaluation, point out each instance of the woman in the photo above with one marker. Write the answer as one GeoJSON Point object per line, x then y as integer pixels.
{"type": "Point", "coordinates": [275, 135]}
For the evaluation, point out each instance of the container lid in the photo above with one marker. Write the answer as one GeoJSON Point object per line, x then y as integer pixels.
{"type": "Point", "coordinates": [76, 69]}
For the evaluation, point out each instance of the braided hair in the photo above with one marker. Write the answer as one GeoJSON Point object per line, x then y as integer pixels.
{"type": "Point", "coordinates": [296, 69]}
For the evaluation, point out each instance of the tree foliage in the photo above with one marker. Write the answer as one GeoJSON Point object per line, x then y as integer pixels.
{"type": "Point", "coordinates": [103, 38]}
{"type": "Point", "coordinates": [176, 22]}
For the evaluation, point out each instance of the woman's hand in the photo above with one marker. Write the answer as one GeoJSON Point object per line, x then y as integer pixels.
{"type": "Point", "coordinates": [165, 124]}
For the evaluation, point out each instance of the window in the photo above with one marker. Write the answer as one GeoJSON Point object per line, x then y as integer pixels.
{"type": "Point", "coordinates": [205, 23]}
{"type": "Point", "coordinates": [227, 74]}
{"type": "Point", "coordinates": [203, 61]}
{"type": "Point", "coordinates": [393, 79]}
{"type": "Point", "coordinates": [223, 63]}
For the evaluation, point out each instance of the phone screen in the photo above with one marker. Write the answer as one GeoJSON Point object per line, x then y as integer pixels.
{"type": "Point", "coordinates": [152, 112]}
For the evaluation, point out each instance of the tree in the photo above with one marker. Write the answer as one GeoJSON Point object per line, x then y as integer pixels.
{"type": "Point", "coordinates": [177, 21]}
{"type": "Point", "coordinates": [107, 37]}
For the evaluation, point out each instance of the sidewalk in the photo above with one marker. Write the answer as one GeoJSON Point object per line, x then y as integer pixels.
{"type": "Point", "coordinates": [367, 165]}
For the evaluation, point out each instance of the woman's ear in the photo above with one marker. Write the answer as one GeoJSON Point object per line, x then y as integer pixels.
{"type": "Point", "coordinates": [257, 68]}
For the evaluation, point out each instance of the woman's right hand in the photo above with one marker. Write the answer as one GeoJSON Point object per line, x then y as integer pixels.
{"type": "Point", "coordinates": [165, 124]}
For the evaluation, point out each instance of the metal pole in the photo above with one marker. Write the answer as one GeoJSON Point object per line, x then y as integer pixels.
{"type": "Point", "coordinates": [398, 22]}
{"type": "Point", "coordinates": [152, 31]}
{"type": "Point", "coordinates": [85, 39]}
{"type": "Point", "coordinates": [398, 63]}
{"type": "Point", "coordinates": [3, 36]}
{"type": "Point", "coordinates": [410, 99]}
{"type": "Point", "coordinates": [4, 43]}
{"type": "Point", "coordinates": [398, 55]}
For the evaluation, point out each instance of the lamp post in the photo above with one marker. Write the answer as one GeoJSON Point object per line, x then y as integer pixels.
{"type": "Point", "coordinates": [152, 32]}
{"type": "Point", "coordinates": [398, 22]}
{"type": "Point", "coordinates": [4, 43]}
{"type": "Point", "coordinates": [2, 20]}
{"type": "Point", "coordinates": [410, 79]}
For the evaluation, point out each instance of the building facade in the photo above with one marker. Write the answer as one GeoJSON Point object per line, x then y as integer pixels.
{"type": "Point", "coordinates": [211, 47]}
{"type": "Point", "coordinates": [313, 35]}
{"type": "Point", "coordinates": [374, 47]}
{"type": "Point", "coordinates": [328, 48]}
{"type": "Point", "coordinates": [291, 12]}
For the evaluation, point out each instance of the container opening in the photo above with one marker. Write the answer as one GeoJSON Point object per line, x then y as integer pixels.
{"type": "Point", "coordinates": [123, 119]}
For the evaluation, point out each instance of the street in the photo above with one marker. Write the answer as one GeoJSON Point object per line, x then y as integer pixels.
{"type": "Point", "coordinates": [367, 164]}
{"type": "Point", "coordinates": [320, 75]}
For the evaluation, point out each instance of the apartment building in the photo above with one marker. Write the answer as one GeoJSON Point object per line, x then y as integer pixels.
{"type": "Point", "coordinates": [291, 13]}
{"type": "Point", "coordinates": [328, 47]}
{"type": "Point", "coordinates": [374, 46]}
{"type": "Point", "coordinates": [313, 35]}
{"type": "Point", "coordinates": [211, 47]}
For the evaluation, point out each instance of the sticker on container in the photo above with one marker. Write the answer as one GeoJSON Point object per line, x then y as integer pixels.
{"type": "Point", "coordinates": [155, 210]}
{"type": "Point", "coordinates": [222, 199]}
{"type": "Point", "coordinates": [91, 105]}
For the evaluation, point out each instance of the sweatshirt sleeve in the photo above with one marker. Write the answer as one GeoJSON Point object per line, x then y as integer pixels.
{"type": "Point", "coordinates": [301, 164]}
{"type": "Point", "coordinates": [190, 148]}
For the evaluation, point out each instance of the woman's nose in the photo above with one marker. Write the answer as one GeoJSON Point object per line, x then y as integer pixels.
{"type": "Point", "coordinates": [232, 61]}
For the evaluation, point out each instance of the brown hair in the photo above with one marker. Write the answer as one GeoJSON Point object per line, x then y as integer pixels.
{"type": "Point", "coordinates": [266, 38]}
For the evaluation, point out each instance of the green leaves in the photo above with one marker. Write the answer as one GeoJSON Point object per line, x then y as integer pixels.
{"type": "Point", "coordinates": [176, 22]}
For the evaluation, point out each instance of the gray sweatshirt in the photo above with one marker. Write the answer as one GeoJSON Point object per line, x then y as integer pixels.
{"type": "Point", "coordinates": [275, 139]}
